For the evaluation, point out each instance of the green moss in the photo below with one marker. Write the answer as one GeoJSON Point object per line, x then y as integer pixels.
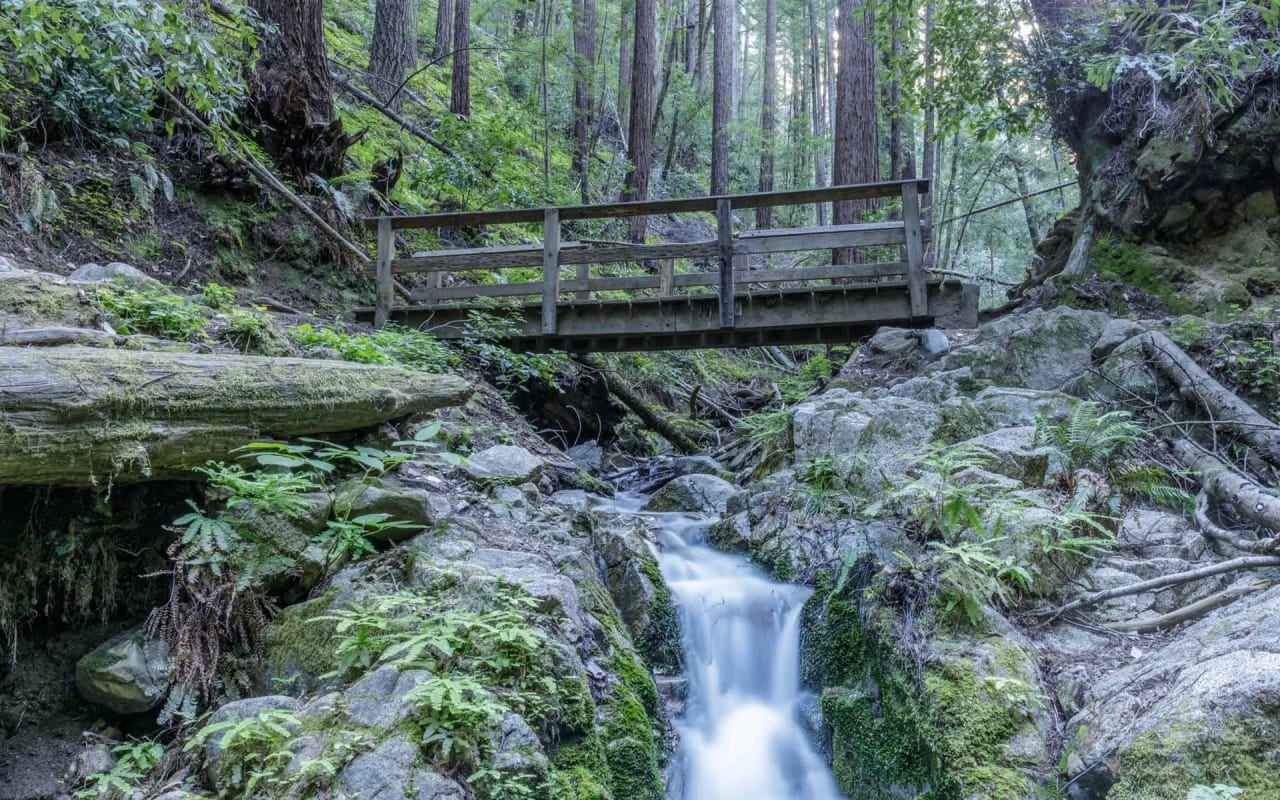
{"type": "Point", "coordinates": [630, 727]}
{"type": "Point", "coordinates": [961, 422]}
{"type": "Point", "coordinates": [581, 771]}
{"type": "Point", "coordinates": [299, 648]}
{"type": "Point", "coordinates": [660, 644]}
{"type": "Point", "coordinates": [1235, 294]}
{"type": "Point", "coordinates": [1263, 281]}
{"type": "Point", "coordinates": [1164, 765]}
{"type": "Point", "coordinates": [1160, 278]}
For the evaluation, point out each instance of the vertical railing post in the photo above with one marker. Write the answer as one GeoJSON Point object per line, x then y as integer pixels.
{"type": "Point", "coordinates": [385, 285]}
{"type": "Point", "coordinates": [916, 283]}
{"type": "Point", "coordinates": [666, 277]}
{"type": "Point", "coordinates": [550, 268]}
{"type": "Point", "coordinates": [584, 276]}
{"type": "Point", "coordinates": [724, 231]}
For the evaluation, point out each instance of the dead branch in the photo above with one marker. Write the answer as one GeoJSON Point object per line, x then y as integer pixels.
{"type": "Point", "coordinates": [1226, 485]}
{"type": "Point", "coordinates": [1213, 530]}
{"type": "Point", "coordinates": [1189, 612]}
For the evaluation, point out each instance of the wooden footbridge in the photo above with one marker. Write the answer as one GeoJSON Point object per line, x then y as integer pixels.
{"type": "Point", "coordinates": [680, 294]}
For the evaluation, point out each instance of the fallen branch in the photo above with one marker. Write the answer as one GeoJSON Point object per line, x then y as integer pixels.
{"type": "Point", "coordinates": [1165, 581]}
{"type": "Point", "coordinates": [1226, 485]}
{"type": "Point", "coordinates": [1213, 530]}
{"type": "Point", "coordinates": [650, 416]}
{"type": "Point", "coordinates": [262, 173]}
{"type": "Point", "coordinates": [1197, 386]}
{"type": "Point", "coordinates": [1189, 612]}
{"type": "Point", "coordinates": [411, 127]}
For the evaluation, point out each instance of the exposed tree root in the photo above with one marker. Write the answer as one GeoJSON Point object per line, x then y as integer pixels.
{"type": "Point", "coordinates": [1220, 534]}
{"type": "Point", "coordinates": [1226, 485]}
{"type": "Point", "coordinates": [1198, 387]}
{"type": "Point", "coordinates": [1165, 581]}
{"type": "Point", "coordinates": [1190, 612]}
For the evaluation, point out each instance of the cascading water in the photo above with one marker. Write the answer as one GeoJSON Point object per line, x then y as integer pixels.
{"type": "Point", "coordinates": [740, 736]}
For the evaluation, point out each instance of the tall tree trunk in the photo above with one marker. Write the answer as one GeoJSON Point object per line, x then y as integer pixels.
{"type": "Point", "coordinates": [460, 89]}
{"type": "Point", "coordinates": [644, 76]}
{"type": "Point", "coordinates": [444, 30]}
{"type": "Point", "coordinates": [816, 59]}
{"type": "Point", "coordinates": [626, 54]}
{"type": "Point", "coordinates": [857, 153]}
{"type": "Point", "coordinates": [394, 50]}
{"type": "Point", "coordinates": [929, 156]}
{"type": "Point", "coordinates": [291, 91]}
{"type": "Point", "coordinates": [764, 215]}
{"type": "Point", "coordinates": [895, 102]}
{"type": "Point", "coordinates": [1028, 210]}
{"type": "Point", "coordinates": [722, 48]}
{"type": "Point", "coordinates": [584, 54]}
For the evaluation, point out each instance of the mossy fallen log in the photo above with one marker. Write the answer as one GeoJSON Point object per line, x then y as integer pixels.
{"type": "Point", "coordinates": [78, 416]}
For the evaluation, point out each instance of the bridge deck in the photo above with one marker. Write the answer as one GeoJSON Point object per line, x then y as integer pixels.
{"type": "Point", "coordinates": [658, 307]}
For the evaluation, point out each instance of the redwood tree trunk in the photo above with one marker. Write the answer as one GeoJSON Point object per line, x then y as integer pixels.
{"type": "Point", "coordinates": [764, 215]}
{"type": "Point", "coordinates": [722, 49]}
{"type": "Point", "coordinates": [291, 92]}
{"type": "Point", "coordinates": [584, 53]}
{"type": "Point", "coordinates": [460, 89]}
{"type": "Point", "coordinates": [394, 50]}
{"type": "Point", "coordinates": [857, 148]}
{"type": "Point", "coordinates": [640, 137]}
{"type": "Point", "coordinates": [444, 30]}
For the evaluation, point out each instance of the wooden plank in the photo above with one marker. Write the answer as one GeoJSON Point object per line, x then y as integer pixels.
{"type": "Point", "coordinates": [863, 191]}
{"type": "Point", "coordinates": [666, 276]}
{"type": "Point", "coordinates": [583, 275]}
{"type": "Point", "coordinates": [524, 255]}
{"type": "Point", "coordinates": [885, 270]}
{"type": "Point", "coordinates": [820, 241]}
{"type": "Point", "coordinates": [724, 230]}
{"type": "Point", "coordinates": [550, 268]}
{"type": "Point", "coordinates": [641, 252]}
{"type": "Point", "coordinates": [385, 282]}
{"type": "Point", "coordinates": [915, 251]}
{"type": "Point", "coordinates": [861, 226]}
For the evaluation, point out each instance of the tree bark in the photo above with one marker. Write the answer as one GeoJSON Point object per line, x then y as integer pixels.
{"type": "Point", "coordinates": [394, 51]}
{"type": "Point", "coordinates": [651, 417]}
{"type": "Point", "coordinates": [626, 52]}
{"type": "Point", "coordinates": [76, 416]}
{"type": "Point", "coordinates": [768, 99]}
{"type": "Point", "coordinates": [1226, 485]}
{"type": "Point", "coordinates": [290, 91]}
{"type": "Point", "coordinates": [584, 54]}
{"type": "Point", "coordinates": [722, 49]}
{"type": "Point", "coordinates": [460, 85]}
{"type": "Point", "coordinates": [929, 154]}
{"type": "Point", "coordinates": [640, 136]}
{"type": "Point", "coordinates": [816, 60]}
{"type": "Point", "coordinates": [444, 30]}
{"type": "Point", "coordinates": [857, 151]}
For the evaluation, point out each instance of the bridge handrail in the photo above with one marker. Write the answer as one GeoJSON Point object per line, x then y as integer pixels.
{"type": "Point", "coordinates": [908, 232]}
{"type": "Point", "coordinates": [639, 208]}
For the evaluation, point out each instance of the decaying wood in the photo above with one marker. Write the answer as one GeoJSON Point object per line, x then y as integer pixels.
{"type": "Point", "coordinates": [651, 417]}
{"type": "Point", "coordinates": [1226, 485]}
{"type": "Point", "coordinates": [1191, 611]}
{"type": "Point", "coordinates": [1216, 532]}
{"type": "Point", "coordinates": [50, 337]}
{"type": "Point", "coordinates": [1224, 406]}
{"type": "Point", "coordinates": [78, 416]}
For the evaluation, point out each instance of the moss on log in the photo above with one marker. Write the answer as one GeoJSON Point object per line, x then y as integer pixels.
{"type": "Point", "coordinates": [77, 416]}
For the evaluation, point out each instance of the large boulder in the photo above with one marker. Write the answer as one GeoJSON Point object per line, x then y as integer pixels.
{"type": "Point", "coordinates": [360, 496]}
{"type": "Point", "coordinates": [693, 494]}
{"type": "Point", "coordinates": [504, 464]}
{"type": "Point", "coordinates": [394, 770]}
{"type": "Point", "coordinates": [128, 674]}
{"type": "Point", "coordinates": [1042, 349]}
{"type": "Point", "coordinates": [115, 272]}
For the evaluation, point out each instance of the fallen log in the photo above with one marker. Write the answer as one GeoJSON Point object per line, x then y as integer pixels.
{"type": "Point", "coordinates": [1226, 485]}
{"type": "Point", "coordinates": [1199, 387]}
{"type": "Point", "coordinates": [78, 416]}
{"type": "Point", "coordinates": [653, 419]}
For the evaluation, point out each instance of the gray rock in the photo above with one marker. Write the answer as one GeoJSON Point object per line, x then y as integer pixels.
{"type": "Point", "coordinates": [693, 494]}
{"type": "Point", "coordinates": [380, 699]}
{"type": "Point", "coordinates": [516, 749]}
{"type": "Point", "coordinates": [394, 771]}
{"type": "Point", "coordinates": [1042, 349]}
{"type": "Point", "coordinates": [935, 342]}
{"type": "Point", "coordinates": [572, 499]}
{"type": "Point", "coordinates": [1011, 407]}
{"type": "Point", "coordinates": [506, 464]}
{"type": "Point", "coordinates": [1013, 453]}
{"type": "Point", "coordinates": [128, 674]}
{"type": "Point", "coordinates": [1116, 333]}
{"type": "Point", "coordinates": [1160, 534]}
{"type": "Point", "coordinates": [588, 455]}
{"type": "Point", "coordinates": [115, 272]}
{"type": "Point", "coordinates": [623, 553]}
{"type": "Point", "coordinates": [697, 465]}
{"type": "Point", "coordinates": [7, 265]}
{"type": "Point", "coordinates": [884, 435]}
{"type": "Point", "coordinates": [216, 759]}
{"type": "Point", "coordinates": [359, 496]}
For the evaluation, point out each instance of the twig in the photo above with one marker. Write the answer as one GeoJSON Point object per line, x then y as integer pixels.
{"type": "Point", "coordinates": [1189, 612]}
{"type": "Point", "coordinates": [1233, 565]}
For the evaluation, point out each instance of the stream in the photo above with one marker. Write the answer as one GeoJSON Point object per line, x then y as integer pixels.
{"type": "Point", "coordinates": [740, 736]}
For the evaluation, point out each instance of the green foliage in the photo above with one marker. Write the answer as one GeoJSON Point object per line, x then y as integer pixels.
{"type": "Point", "coordinates": [135, 760]}
{"type": "Point", "coordinates": [393, 345]}
{"type": "Point", "coordinates": [507, 369]}
{"type": "Point", "coordinates": [348, 539]}
{"type": "Point", "coordinates": [255, 752]}
{"type": "Point", "coordinates": [1218, 791]}
{"type": "Point", "coordinates": [101, 64]}
{"type": "Point", "coordinates": [1254, 366]}
{"type": "Point", "coordinates": [455, 712]}
{"type": "Point", "coordinates": [153, 311]}
{"type": "Point", "coordinates": [279, 492]}
{"type": "Point", "coordinates": [1089, 439]}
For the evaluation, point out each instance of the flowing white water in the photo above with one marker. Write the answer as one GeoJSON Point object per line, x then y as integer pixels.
{"type": "Point", "coordinates": [740, 736]}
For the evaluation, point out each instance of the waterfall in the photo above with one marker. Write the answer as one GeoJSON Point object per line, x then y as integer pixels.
{"type": "Point", "coordinates": [740, 736]}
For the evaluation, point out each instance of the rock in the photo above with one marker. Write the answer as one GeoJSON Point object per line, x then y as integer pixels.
{"type": "Point", "coordinates": [506, 464]}
{"type": "Point", "coordinates": [217, 764]}
{"type": "Point", "coordinates": [380, 699]}
{"type": "Point", "coordinates": [572, 499]}
{"type": "Point", "coordinates": [128, 674]}
{"type": "Point", "coordinates": [935, 342]}
{"type": "Point", "coordinates": [516, 749]}
{"type": "Point", "coordinates": [588, 455]}
{"type": "Point", "coordinates": [697, 465]}
{"type": "Point", "coordinates": [636, 586]}
{"type": "Point", "coordinates": [886, 435]}
{"type": "Point", "coordinates": [115, 272]}
{"type": "Point", "coordinates": [6, 265]}
{"type": "Point", "coordinates": [1013, 453]}
{"type": "Point", "coordinates": [1012, 407]}
{"type": "Point", "coordinates": [394, 771]}
{"type": "Point", "coordinates": [1259, 206]}
{"type": "Point", "coordinates": [360, 496]}
{"type": "Point", "coordinates": [1041, 349]}
{"type": "Point", "coordinates": [693, 494]}
{"type": "Point", "coordinates": [1116, 333]}
{"type": "Point", "coordinates": [1160, 534]}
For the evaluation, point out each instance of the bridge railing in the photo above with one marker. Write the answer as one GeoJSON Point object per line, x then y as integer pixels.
{"type": "Point", "coordinates": [553, 254]}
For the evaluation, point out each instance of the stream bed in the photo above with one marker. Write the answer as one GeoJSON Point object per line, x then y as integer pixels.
{"type": "Point", "coordinates": [740, 736]}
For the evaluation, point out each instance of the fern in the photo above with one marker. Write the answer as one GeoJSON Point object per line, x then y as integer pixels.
{"type": "Point", "coordinates": [1089, 439]}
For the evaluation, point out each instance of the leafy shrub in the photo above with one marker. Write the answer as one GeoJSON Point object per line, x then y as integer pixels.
{"type": "Point", "coordinates": [153, 311]}
{"type": "Point", "coordinates": [394, 345]}
{"type": "Point", "coordinates": [256, 752]}
{"type": "Point", "coordinates": [135, 762]}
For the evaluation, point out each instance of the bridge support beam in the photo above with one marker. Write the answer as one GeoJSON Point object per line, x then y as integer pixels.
{"type": "Point", "coordinates": [550, 269]}
{"type": "Point", "coordinates": [724, 237]}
